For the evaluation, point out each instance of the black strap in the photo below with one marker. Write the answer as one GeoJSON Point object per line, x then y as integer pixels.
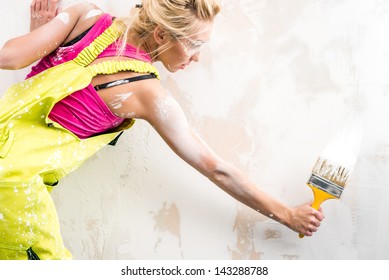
{"type": "Point", "coordinates": [125, 81]}
{"type": "Point", "coordinates": [78, 38]}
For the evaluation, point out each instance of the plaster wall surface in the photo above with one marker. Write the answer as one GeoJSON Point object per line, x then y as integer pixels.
{"type": "Point", "coordinates": [267, 94]}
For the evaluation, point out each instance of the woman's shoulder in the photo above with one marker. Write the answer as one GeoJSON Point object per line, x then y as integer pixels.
{"type": "Point", "coordinates": [88, 15]}
{"type": "Point", "coordinates": [90, 12]}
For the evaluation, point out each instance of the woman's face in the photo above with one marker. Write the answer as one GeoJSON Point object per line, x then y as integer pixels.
{"type": "Point", "coordinates": [181, 52]}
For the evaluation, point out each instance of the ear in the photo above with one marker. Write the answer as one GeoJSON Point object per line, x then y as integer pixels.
{"type": "Point", "coordinates": [160, 35]}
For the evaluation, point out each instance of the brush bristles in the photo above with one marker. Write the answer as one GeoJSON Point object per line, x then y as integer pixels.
{"type": "Point", "coordinates": [331, 171]}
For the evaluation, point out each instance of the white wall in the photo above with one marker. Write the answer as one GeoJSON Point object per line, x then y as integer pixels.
{"type": "Point", "coordinates": [267, 94]}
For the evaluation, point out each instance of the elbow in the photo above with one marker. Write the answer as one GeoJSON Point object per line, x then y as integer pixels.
{"type": "Point", "coordinates": [219, 178]}
{"type": "Point", "coordinates": [229, 178]}
{"type": "Point", "coordinates": [4, 61]}
{"type": "Point", "coordinates": [9, 60]}
{"type": "Point", "coordinates": [216, 171]}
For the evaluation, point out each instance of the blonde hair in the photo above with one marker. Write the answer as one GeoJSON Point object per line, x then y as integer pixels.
{"type": "Point", "coordinates": [179, 17]}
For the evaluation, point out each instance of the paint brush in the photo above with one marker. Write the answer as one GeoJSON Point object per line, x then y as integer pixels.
{"type": "Point", "coordinates": [334, 166]}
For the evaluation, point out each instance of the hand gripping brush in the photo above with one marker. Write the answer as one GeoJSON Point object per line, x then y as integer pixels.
{"type": "Point", "coordinates": [334, 166]}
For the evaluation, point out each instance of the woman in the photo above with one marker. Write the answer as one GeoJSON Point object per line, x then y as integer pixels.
{"type": "Point", "coordinates": [89, 86]}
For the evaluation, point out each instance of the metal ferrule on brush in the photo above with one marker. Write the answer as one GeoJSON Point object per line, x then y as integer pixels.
{"type": "Point", "coordinates": [325, 185]}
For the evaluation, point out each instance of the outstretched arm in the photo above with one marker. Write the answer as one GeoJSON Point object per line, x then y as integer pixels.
{"type": "Point", "coordinates": [166, 116]}
{"type": "Point", "coordinates": [42, 11]}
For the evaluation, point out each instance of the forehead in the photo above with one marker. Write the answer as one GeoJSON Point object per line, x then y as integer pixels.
{"type": "Point", "coordinates": [202, 31]}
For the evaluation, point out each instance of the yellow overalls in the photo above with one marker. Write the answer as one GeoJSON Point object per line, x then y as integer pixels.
{"type": "Point", "coordinates": [36, 152]}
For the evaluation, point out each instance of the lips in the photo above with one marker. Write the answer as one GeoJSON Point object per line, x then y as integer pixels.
{"type": "Point", "coordinates": [184, 65]}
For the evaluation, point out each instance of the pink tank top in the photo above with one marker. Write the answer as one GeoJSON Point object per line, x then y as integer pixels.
{"type": "Point", "coordinates": [83, 112]}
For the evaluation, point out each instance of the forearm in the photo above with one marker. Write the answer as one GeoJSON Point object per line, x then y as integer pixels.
{"type": "Point", "coordinates": [22, 51]}
{"type": "Point", "coordinates": [235, 183]}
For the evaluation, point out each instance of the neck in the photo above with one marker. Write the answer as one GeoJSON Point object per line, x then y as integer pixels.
{"type": "Point", "coordinates": [148, 45]}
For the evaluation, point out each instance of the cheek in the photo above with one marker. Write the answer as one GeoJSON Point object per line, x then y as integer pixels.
{"type": "Point", "coordinates": [178, 54]}
{"type": "Point", "coordinates": [173, 58]}
{"type": "Point", "coordinates": [180, 59]}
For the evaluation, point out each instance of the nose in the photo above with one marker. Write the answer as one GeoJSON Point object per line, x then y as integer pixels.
{"type": "Point", "coordinates": [195, 57]}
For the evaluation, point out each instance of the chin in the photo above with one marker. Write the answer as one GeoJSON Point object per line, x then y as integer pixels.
{"type": "Point", "coordinates": [172, 69]}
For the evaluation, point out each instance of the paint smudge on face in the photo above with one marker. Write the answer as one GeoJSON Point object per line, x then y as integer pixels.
{"type": "Point", "coordinates": [64, 17]}
{"type": "Point", "coordinates": [117, 103]}
{"type": "Point", "coordinates": [92, 13]}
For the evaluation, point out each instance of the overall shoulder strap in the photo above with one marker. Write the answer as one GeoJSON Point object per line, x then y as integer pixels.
{"type": "Point", "coordinates": [110, 35]}
{"type": "Point", "coordinates": [114, 66]}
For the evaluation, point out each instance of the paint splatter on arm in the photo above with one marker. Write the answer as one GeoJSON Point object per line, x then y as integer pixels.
{"type": "Point", "coordinates": [92, 13]}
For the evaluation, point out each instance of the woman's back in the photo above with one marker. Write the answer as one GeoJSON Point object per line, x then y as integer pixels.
{"type": "Point", "coordinates": [85, 112]}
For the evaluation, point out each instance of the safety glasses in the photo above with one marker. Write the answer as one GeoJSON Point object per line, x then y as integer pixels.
{"type": "Point", "coordinates": [190, 47]}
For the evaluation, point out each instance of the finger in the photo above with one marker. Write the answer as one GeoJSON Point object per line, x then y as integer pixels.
{"type": "Point", "coordinates": [32, 7]}
{"type": "Point", "coordinates": [38, 5]}
{"type": "Point", "coordinates": [53, 9]}
{"type": "Point", "coordinates": [44, 5]}
{"type": "Point", "coordinates": [319, 216]}
{"type": "Point", "coordinates": [314, 223]}
{"type": "Point", "coordinates": [313, 229]}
